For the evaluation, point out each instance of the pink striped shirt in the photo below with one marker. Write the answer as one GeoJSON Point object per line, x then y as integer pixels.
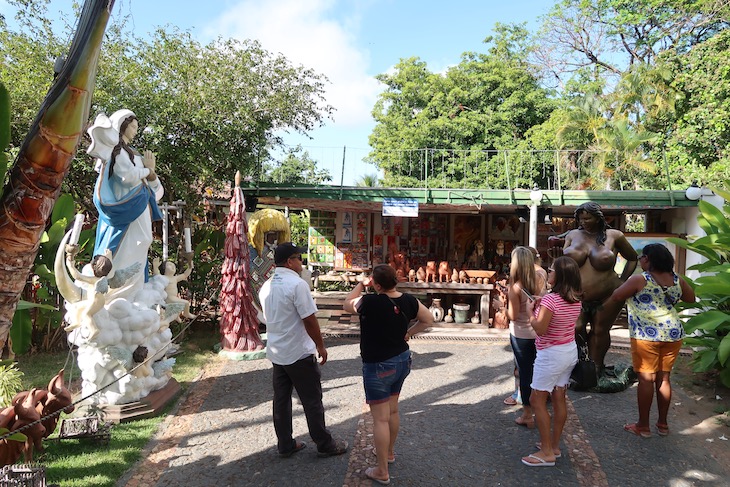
{"type": "Point", "coordinates": [562, 325]}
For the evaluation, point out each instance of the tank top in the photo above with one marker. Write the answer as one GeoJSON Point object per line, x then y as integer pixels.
{"type": "Point", "coordinates": [520, 326]}
{"type": "Point", "coordinates": [652, 316]}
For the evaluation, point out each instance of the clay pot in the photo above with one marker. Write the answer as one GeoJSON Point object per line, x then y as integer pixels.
{"type": "Point", "coordinates": [436, 310]}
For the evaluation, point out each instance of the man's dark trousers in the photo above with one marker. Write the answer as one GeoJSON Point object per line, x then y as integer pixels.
{"type": "Point", "coordinates": [304, 376]}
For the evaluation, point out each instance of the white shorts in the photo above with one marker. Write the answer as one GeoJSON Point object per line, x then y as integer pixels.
{"type": "Point", "coordinates": [553, 366]}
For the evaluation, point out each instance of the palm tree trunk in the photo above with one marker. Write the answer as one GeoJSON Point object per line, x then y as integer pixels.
{"type": "Point", "coordinates": [45, 158]}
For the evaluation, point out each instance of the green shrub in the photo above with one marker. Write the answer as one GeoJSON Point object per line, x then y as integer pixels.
{"type": "Point", "coordinates": [708, 329]}
{"type": "Point", "coordinates": [10, 382]}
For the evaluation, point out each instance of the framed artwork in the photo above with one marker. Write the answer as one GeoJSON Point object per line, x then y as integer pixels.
{"type": "Point", "coordinates": [505, 227]}
{"type": "Point", "coordinates": [639, 240]}
{"type": "Point", "coordinates": [385, 223]}
{"type": "Point", "coordinates": [467, 229]}
{"type": "Point", "coordinates": [346, 235]}
{"type": "Point", "coordinates": [347, 219]}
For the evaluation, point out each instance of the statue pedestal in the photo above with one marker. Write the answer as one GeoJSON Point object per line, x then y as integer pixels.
{"type": "Point", "coordinates": [233, 355]}
{"type": "Point", "coordinates": [144, 408]}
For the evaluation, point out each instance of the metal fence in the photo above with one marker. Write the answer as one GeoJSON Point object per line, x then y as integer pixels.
{"type": "Point", "coordinates": [485, 169]}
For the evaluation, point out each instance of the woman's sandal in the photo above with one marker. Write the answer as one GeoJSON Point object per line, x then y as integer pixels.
{"type": "Point", "coordinates": [510, 401]}
{"type": "Point", "coordinates": [642, 431]}
{"type": "Point", "coordinates": [529, 423]}
{"type": "Point", "coordinates": [662, 429]}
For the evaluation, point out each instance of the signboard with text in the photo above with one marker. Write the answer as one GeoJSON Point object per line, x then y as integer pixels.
{"type": "Point", "coordinates": [400, 207]}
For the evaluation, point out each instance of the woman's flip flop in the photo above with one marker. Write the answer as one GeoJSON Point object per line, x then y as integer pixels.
{"type": "Point", "coordinates": [539, 462]}
{"type": "Point", "coordinates": [642, 431]}
{"type": "Point", "coordinates": [369, 474]}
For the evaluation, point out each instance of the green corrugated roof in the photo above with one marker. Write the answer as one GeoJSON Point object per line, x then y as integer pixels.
{"type": "Point", "coordinates": [336, 198]}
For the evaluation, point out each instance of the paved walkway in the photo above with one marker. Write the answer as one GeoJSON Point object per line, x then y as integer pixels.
{"type": "Point", "coordinates": [454, 428]}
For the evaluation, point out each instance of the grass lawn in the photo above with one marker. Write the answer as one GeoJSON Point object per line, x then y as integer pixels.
{"type": "Point", "coordinates": [83, 463]}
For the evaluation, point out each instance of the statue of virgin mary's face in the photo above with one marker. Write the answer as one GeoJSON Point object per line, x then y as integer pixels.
{"type": "Point", "coordinates": [131, 131]}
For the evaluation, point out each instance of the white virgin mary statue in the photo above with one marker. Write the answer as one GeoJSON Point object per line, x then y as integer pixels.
{"type": "Point", "coordinates": [126, 195]}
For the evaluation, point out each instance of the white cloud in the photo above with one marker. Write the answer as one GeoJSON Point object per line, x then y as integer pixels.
{"type": "Point", "coordinates": [317, 34]}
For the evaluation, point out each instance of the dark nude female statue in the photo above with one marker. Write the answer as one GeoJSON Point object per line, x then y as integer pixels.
{"type": "Point", "coordinates": [594, 246]}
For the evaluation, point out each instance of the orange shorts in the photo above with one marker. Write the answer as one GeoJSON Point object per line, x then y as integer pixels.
{"type": "Point", "coordinates": [652, 357]}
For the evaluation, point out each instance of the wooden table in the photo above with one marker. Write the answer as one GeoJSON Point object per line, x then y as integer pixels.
{"type": "Point", "coordinates": [350, 279]}
{"type": "Point", "coordinates": [456, 289]}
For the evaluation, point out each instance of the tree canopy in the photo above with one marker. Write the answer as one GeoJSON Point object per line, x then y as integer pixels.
{"type": "Point", "coordinates": [485, 103]}
{"type": "Point", "coordinates": [613, 35]}
{"type": "Point", "coordinates": [295, 168]}
{"type": "Point", "coordinates": [634, 103]}
{"type": "Point", "coordinates": [205, 110]}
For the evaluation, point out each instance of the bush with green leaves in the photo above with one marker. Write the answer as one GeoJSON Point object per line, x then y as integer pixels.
{"type": "Point", "coordinates": [708, 329]}
{"type": "Point", "coordinates": [10, 382]}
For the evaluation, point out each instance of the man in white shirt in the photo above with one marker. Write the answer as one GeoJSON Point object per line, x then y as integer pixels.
{"type": "Point", "coordinates": [293, 343]}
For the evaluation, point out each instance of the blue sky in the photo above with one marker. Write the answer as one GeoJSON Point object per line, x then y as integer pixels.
{"type": "Point", "coordinates": [350, 41]}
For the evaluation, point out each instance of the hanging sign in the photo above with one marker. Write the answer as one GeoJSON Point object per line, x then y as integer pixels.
{"type": "Point", "coordinates": [400, 207]}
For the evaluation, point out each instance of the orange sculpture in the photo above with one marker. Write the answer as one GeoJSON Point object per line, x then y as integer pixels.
{"type": "Point", "coordinates": [431, 271]}
{"type": "Point", "coordinates": [30, 406]}
{"type": "Point", "coordinates": [399, 261]}
{"type": "Point", "coordinates": [444, 271]}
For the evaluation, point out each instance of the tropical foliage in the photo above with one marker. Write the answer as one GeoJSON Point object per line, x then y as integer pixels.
{"type": "Point", "coordinates": [368, 181]}
{"type": "Point", "coordinates": [299, 225]}
{"type": "Point", "coordinates": [460, 119]}
{"type": "Point", "coordinates": [205, 110]}
{"type": "Point", "coordinates": [10, 382]}
{"type": "Point", "coordinates": [709, 328]}
{"type": "Point", "coordinates": [611, 36]}
{"type": "Point", "coordinates": [296, 167]}
{"type": "Point", "coordinates": [698, 142]}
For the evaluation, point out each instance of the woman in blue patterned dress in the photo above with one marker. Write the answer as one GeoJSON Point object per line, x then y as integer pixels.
{"type": "Point", "coordinates": [656, 331]}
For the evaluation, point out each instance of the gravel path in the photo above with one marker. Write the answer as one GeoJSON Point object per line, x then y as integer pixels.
{"type": "Point", "coordinates": [454, 430]}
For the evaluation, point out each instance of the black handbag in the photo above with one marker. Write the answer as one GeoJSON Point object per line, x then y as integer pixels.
{"type": "Point", "coordinates": [583, 376]}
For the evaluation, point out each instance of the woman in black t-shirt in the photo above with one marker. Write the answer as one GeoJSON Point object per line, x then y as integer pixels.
{"type": "Point", "coordinates": [385, 318]}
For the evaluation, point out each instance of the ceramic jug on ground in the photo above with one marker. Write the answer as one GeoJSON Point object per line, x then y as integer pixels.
{"type": "Point", "coordinates": [436, 310]}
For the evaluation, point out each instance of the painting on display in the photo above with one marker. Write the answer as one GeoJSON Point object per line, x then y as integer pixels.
{"type": "Point", "coordinates": [639, 240]}
{"type": "Point", "coordinates": [322, 237]}
{"type": "Point", "coordinates": [467, 229]}
{"type": "Point", "coordinates": [505, 227]}
{"type": "Point", "coordinates": [346, 233]}
{"type": "Point", "coordinates": [351, 256]}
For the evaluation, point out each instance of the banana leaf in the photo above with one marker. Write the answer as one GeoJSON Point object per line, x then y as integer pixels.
{"type": "Point", "coordinates": [709, 320]}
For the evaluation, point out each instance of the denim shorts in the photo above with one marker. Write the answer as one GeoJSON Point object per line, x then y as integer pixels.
{"type": "Point", "coordinates": [385, 379]}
